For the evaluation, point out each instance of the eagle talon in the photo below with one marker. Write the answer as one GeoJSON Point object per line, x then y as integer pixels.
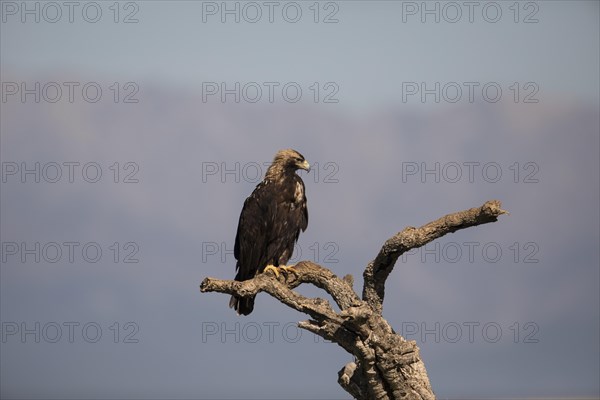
{"type": "Point", "coordinates": [272, 268]}
{"type": "Point", "coordinates": [287, 269]}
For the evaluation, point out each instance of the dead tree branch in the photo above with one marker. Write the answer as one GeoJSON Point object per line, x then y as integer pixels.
{"type": "Point", "coordinates": [387, 366]}
{"type": "Point", "coordinates": [410, 238]}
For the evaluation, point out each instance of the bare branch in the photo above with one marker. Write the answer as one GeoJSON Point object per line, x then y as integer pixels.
{"type": "Point", "coordinates": [317, 308]}
{"type": "Point", "coordinates": [378, 270]}
{"type": "Point", "coordinates": [340, 289]}
{"type": "Point", "coordinates": [352, 382]}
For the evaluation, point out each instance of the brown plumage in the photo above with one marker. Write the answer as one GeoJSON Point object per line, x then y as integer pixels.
{"type": "Point", "coordinates": [270, 222]}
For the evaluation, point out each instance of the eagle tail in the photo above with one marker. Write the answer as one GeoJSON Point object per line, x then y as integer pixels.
{"type": "Point", "coordinates": [242, 305]}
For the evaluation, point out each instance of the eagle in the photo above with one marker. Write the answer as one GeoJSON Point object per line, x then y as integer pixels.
{"type": "Point", "coordinates": [270, 223]}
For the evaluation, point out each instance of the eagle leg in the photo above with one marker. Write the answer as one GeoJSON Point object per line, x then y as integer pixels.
{"type": "Point", "coordinates": [272, 268]}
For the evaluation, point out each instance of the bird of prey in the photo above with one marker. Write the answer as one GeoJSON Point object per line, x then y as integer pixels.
{"type": "Point", "coordinates": [270, 223]}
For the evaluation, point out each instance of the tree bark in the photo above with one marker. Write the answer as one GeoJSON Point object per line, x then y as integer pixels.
{"type": "Point", "coordinates": [386, 365]}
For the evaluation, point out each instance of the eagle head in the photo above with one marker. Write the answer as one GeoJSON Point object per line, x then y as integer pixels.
{"type": "Point", "coordinates": [290, 159]}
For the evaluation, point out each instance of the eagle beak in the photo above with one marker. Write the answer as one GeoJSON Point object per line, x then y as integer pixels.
{"type": "Point", "coordinates": [305, 166]}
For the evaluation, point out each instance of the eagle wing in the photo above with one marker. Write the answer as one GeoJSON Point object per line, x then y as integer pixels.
{"type": "Point", "coordinates": [251, 241]}
{"type": "Point", "coordinates": [251, 237]}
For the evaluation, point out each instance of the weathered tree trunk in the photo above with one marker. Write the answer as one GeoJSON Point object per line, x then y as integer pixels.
{"type": "Point", "coordinates": [386, 365]}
